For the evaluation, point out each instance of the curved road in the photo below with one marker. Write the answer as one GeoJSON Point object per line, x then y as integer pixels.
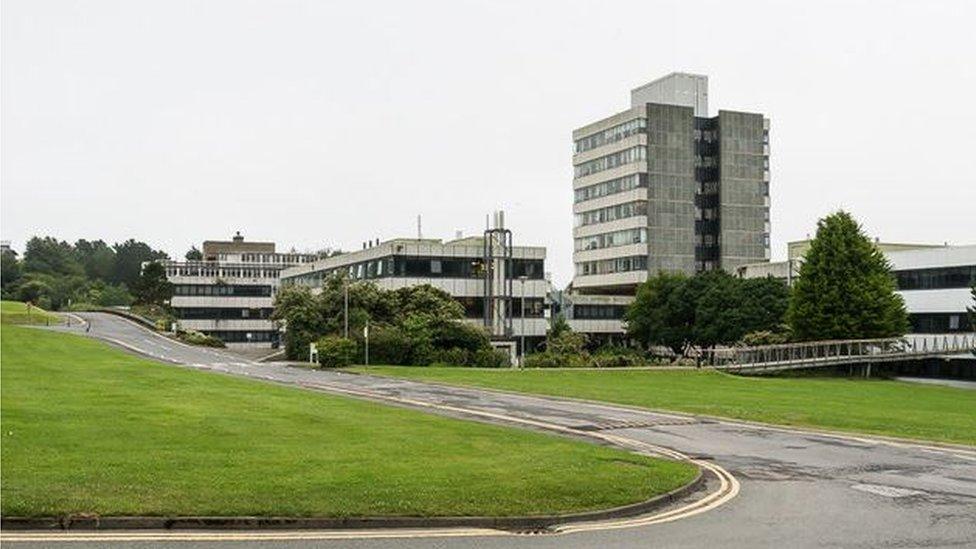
{"type": "Point", "coordinates": [796, 488]}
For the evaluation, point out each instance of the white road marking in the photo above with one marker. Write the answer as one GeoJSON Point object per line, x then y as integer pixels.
{"type": "Point", "coordinates": [886, 491]}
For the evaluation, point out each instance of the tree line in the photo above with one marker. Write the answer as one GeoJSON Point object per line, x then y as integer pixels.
{"type": "Point", "coordinates": [55, 273]}
{"type": "Point", "coordinates": [844, 290]}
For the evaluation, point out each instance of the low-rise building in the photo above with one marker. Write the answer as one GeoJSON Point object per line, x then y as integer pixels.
{"type": "Point", "coordinates": [934, 281]}
{"type": "Point", "coordinates": [488, 275]}
{"type": "Point", "coordinates": [229, 294]}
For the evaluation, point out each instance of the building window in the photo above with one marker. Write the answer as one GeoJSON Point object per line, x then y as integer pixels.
{"type": "Point", "coordinates": [626, 156]}
{"type": "Point", "coordinates": [610, 135]}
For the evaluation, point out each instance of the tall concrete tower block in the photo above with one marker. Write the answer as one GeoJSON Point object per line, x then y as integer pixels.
{"type": "Point", "coordinates": [678, 88]}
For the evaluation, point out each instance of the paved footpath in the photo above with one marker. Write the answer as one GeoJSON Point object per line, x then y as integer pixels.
{"type": "Point", "coordinates": [792, 488]}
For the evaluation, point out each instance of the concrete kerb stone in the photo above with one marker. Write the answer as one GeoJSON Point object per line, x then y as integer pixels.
{"type": "Point", "coordinates": [512, 524]}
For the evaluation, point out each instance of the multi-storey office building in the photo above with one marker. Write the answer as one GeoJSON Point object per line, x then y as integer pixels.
{"type": "Point", "coordinates": [934, 281]}
{"type": "Point", "coordinates": [487, 275]}
{"type": "Point", "coordinates": [664, 187]}
{"type": "Point", "coordinates": [230, 293]}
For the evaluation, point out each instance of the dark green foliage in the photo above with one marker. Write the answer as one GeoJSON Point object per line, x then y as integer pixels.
{"type": "Point", "coordinates": [152, 286]}
{"type": "Point", "coordinates": [194, 254]}
{"type": "Point", "coordinates": [559, 326]}
{"type": "Point", "coordinates": [194, 337]}
{"type": "Point", "coordinates": [407, 325]}
{"type": "Point", "coordinates": [297, 312]}
{"type": "Point", "coordinates": [458, 334]}
{"type": "Point", "coordinates": [765, 337]}
{"type": "Point", "coordinates": [10, 271]}
{"type": "Point", "coordinates": [88, 272]}
{"type": "Point", "coordinates": [50, 256]}
{"type": "Point", "coordinates": [336, 352]}
{"type": "Point", "coordinates": [129, 257]}
{"type": "Point", "coordinates": [657, 316]}
{"type": "Point", "coordinates": [97, 259]}
{"type": "Point", "coordinates": [845, 289]}
{"type": "Point", "coordinates": [708, 309]}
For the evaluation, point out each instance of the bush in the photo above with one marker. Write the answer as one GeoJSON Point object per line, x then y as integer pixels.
{"type": "Point", "coordinates": [618, 357]}
{"type": "Point", "coordinates": [764, 337]}
{"type": "Point", "coordinates": [451, 334]}
{"type": "Point", "coordinates": [450, 357]}
{"type": "Point", "coordinates": [389, 345]}
{"type": "Point", "coordinates": [490, 358]}
{"type": "Point", "coordinates": [336, 352]}
{"type": "Point", "coordinates": [194, 337]}
{"type": "Point", "coordinates": [550, 359]}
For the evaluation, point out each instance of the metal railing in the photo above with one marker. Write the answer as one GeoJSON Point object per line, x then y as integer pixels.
{"type": "Point", "coordinates": [838, 352]}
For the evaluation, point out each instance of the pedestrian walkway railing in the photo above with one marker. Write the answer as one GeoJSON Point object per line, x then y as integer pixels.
{"type": "Point", "coordinates": [839, 352]}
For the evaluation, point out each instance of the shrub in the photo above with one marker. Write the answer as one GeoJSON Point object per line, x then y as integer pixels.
{"type": "Point", "coordinates": [336, 352]}
{"type": "Point", "coordinates": [451, 357]}
{"type": "Point", "coordinates": [194, 337]}
{"type": "Point", "coordinates": [618, 357]}
{"type": "Point", "coordinates": [764, 337]}
{"type": "Point", "coordinates": [490, 358]}
{"type": "Point", "coordinates": [549, 359]}
{"type": "Point", "coordinates": [450, 334]}
{"type": "Point", "coordinates": [389, 345]}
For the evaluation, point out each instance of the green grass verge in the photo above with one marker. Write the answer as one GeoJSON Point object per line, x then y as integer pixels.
{"type": "Point", "coordinates": [90, 429]}
{"type": "Point", "coordinates": [881, 407]}
{"type": "Point", "coordinates": [15, 312]}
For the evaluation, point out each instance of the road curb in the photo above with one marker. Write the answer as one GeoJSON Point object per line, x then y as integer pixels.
{"type": "Point", "coordinates": [514, 524]}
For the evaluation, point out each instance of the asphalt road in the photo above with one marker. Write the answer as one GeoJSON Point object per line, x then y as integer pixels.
{"type": "Point", "coordinates": [797, 488]}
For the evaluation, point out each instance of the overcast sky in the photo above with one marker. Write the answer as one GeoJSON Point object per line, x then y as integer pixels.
{"type": "Point", "coordinates": [320, 123]}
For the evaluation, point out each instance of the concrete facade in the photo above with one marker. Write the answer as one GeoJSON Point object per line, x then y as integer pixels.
{"type": "Point", "coordinates": [458, 268]}
{"type": "Point", "coordinates": [663, 187]}
{"type": "Point", "coordinates": [933, 280]}
{"type": "Point", "coordinates": [230, 293]}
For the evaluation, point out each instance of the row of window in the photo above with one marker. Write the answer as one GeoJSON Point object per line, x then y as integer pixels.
{"type": "Point", "coordinates": [422, 267]}
{"type": "Point", "coordinates": [611, 213]}
{"type": "Point", "coordinates": [283, 259]}
{"type": "Point", "coordinates": [221, 290]}
{"type": "Point", "coordinates": [611, 240]}
{"type": "Point", "coordinates": [599, 312]}
{"type": "Point", "coordinates": [610, 266]}
{"type": "Point", "coordinates": [610, 135]}
{"type": "Point", "coordinates": [936, 278]}
{"type": "Point", "coordinates": [222, 313]}
{"type": "Point", "coordinates": [234, 336]}
{"type": "Point", "coordinates": [474, 307]}
{"type": "Point", "coordinates": [626, 156]}
{"type": "Point", "coordinates": [613, 186]}
{"type": "Point", "coordinates": [217, 271]}
{"type": "Point", "coordinates": [939, 323]}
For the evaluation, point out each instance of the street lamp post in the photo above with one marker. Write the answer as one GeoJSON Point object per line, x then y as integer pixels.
{"type": "Point", "coordinates": [345, 307]}
{"type": "Point", "coordinates": [522, 280]}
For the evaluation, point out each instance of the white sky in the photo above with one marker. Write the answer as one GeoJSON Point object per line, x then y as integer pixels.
{"type": "Point", "coordinates": [329, 123]}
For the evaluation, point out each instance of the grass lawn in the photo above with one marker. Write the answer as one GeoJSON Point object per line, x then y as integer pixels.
{"type": "Point", "coordinates": [880, 407]}
{"type": "Point", "coordinates": [90, 429]}
{"type": "Point", "coordinates": [15, 312]}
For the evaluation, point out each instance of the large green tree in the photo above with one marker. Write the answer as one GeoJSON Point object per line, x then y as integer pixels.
{"type": "Point", "coordinates": [129, 257]}
{"type": "Point", "coordinates": [152, 287]}
{"type": "Point", "coordinates": [97, 258]}
{"type": "Point", "coordinates": [51, 256]}
{"type": "Point", "coordinates": [10, 271]}
{"type": "Point", "coordinates": [656, 316]}
{"type": "Point", "coordinates": [845, 289]}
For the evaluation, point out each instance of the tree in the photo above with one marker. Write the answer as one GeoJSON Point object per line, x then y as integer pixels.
{"type": "Point", "coordinates": [297, 310]}
{"type": "Point", "coordinates": [845, 289]}
{"type": "Point", "coordinates": [9, 270]}
{"type": "Point", "coordinates": [50, 256]}
{"type": "Point", "coordinates": [657, 317]}
{"type": "Point", "coordinates": [129, 257]}
{"type": "Point", "coordinates": [194, 254]}
{"type": "Point", "coordinates": [152, 287]}
{"type": "Point", "coordinates": [97, 259]}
